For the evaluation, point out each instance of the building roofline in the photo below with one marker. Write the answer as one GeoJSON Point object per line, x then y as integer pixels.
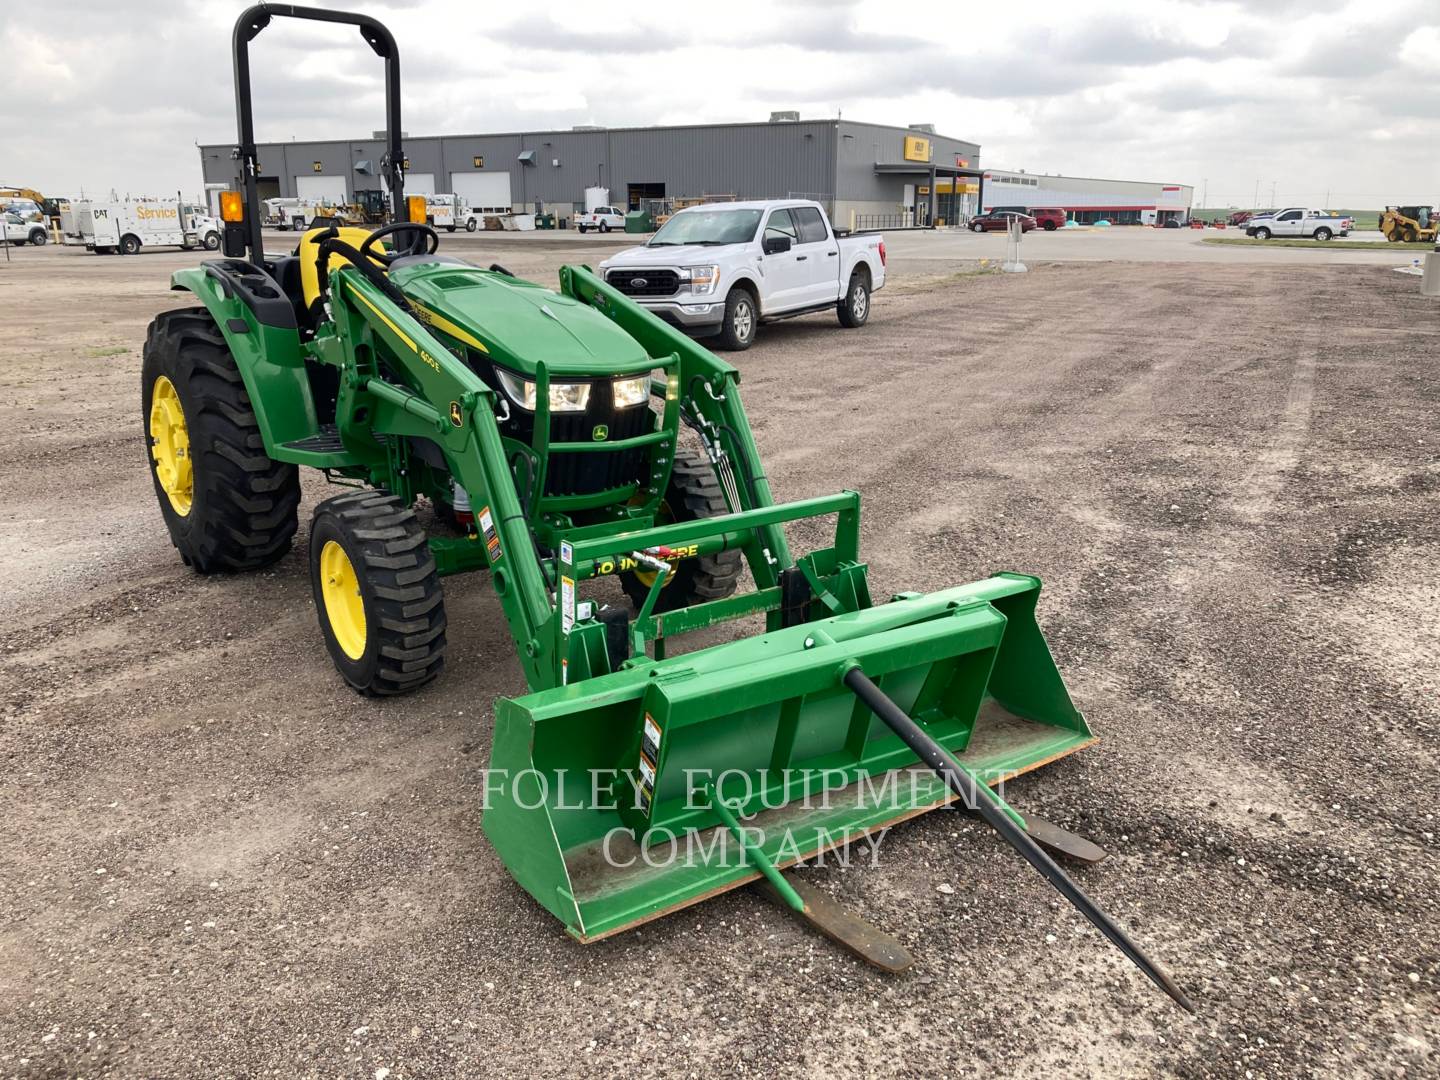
{"type": "Point", "coordinates": [1092, 179]}
{"type": "Point", "coordinates": [834, 122]}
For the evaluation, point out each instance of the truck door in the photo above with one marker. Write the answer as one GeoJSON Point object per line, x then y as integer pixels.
{"type": "Point", "coordinates": [787, 275]}
{"type": "Point", "coordinates": [1289, 223]}
{"type": "Point", "coordinates": [818, 256]}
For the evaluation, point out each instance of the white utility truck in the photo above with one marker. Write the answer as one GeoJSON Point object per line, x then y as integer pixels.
{"type": "Point", "coordinates": [602, 218]}
{"type": "Point", "coordinates": [1299, 221]}
{"type": "Point", "coordinates": [127, 225]}
{"type": "Point", "coordinates": [445, 211]}
{"type": "Point", "coordinates": [724, 268]}
{"type": "Point", "coordinates": [18, 231]}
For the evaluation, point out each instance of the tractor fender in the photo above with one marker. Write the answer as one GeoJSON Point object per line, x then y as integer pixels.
{"type": "Point", "coordinates": [259, 326]}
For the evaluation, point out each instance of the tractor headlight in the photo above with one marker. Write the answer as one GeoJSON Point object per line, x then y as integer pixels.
{"type": "Point", "coordinates": [564, 397]}
{"type": "Point", "coordinates": [703, 279]}
{"type": "Point", "coordinates": [628, 392]}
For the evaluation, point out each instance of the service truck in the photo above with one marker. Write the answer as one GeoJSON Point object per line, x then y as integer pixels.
{"type": "Point", "coordinates": [1299, 221]}
{"type": "Point", "coordinates": [127, 225]}
{"type": "Point", "coordinates": [724, 268]}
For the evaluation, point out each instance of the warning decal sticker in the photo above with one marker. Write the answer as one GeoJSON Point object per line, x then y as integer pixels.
{"type": "Point", "coordinates": [492, 538]}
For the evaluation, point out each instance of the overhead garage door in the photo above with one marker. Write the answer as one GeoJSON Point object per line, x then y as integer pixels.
{"type": "Point", "coordinates": [419, 183]}
{"type": "Point", "coordinates": [482, 190]}
{"type": "Point", "coordinates": [328, 189]}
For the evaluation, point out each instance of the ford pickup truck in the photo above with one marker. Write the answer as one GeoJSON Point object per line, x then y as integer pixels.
{"type": "Point", "coordinates": [725, 268]}
{"type": "Point", "coordinates": [602, 218]}
{"type": "Point", "coordinates": [1298, 221]}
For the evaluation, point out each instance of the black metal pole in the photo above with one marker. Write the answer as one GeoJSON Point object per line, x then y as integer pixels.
{"type": "Point", "coordinates": [978, 798]}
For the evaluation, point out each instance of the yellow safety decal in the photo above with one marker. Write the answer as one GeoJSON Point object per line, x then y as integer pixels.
{"type": "Point", "coordinates": [387, 321]}
{"type": "Point", "coordinates": [445, 326]}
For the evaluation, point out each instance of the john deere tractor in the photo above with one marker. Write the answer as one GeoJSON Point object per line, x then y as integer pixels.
{"type": "Point", "coordinates": [567, 435]}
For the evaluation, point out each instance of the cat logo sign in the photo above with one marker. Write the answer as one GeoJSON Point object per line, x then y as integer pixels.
{"type": "Point", "coordinates": [916, 148]}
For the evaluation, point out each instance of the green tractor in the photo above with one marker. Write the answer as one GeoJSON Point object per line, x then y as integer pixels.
{"type": "Point", "coordinates": [567, 435]}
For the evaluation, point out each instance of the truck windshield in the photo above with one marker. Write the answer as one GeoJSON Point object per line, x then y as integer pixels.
{"type": "Point", "coordinates": [707, 227]}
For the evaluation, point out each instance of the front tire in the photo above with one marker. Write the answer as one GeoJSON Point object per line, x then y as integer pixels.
{"type": "Point", "coordinates": [977, 228]}
{"type": "Point", "coordinates": [693, 493]}
{"type": "Point", "coordinates": [470, 225]}
{"type": "Point", "coordinates": [737, 332]}
{"type": "Point", "coordinates": [39, 237]}
{"type": "Point", "coordinates": [854, 306]}
{"type": "Point", "coordinates": [212, 241]}
{"type": "Point", "coordinates": [1049, 226]}
{"type": "Point", "coordinates": [377, 593]}
{"type": "Point", "coordinates": [1262, 234]}
{"type": "Point", "coordinates": [226, 504]}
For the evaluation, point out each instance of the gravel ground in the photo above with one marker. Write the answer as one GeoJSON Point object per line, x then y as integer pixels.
{"type": "Point", "coordinates": [218, 861]}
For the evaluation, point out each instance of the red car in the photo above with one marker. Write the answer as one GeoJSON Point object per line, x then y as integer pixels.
{"type": "Point", "coordinates": [1000, 219]}
{"type": "Point", "coordinates": [1048, 218]}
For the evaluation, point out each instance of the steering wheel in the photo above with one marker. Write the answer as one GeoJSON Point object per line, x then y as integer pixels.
{"type": "Point", "coordinates": [425, 242]}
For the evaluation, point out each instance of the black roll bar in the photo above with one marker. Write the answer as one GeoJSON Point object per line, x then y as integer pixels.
{"type": "Point", "coordinates": [247, 28]}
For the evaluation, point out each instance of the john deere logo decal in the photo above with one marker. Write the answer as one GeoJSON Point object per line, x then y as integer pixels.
{"type": "Point", "coordinates": [601, 433]}
{"type": "Point", "coordinates": [455, 417]}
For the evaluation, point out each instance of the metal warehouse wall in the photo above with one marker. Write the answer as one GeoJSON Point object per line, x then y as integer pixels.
{"type": "Point", "coordinates": [755, 160]}
{"type": "Point", "coordinates": [861, 146]}
{"type": "Point", "coordinates": [1075, 192]}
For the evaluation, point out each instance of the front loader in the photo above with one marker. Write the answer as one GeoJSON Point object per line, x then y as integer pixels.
{"type": "Point", "coordinates": [563, 436]}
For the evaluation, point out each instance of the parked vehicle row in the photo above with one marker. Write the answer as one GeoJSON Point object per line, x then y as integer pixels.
{"type": "Point", "coordinates": [725, 268]}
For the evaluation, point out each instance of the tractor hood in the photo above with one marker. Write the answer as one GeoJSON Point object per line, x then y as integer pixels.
{"type": "Point", "coordinates": [517, 323]}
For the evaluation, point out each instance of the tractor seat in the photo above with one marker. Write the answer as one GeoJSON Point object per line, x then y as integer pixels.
{"type": "Point", "coordinates": [310, 260]}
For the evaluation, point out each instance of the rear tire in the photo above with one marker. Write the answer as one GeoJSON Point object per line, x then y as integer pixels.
{"type": "Point", "coordinates": [449, 228]}
{"type": "Point", "coordinates": [604, 226]}
{"type": "Point", "coordinates": [238, 509]}
{"type": "Point", "coordinates": [377, 594]}
{"type": "Point", "coordinates": [129, 244]}
{"type": "Point", "coordinates": [854, 306]}
{"type": "Point", "coordinates": [1323, 234]}
{"type": "Point", "coordinates": [737, 331]}
{"type": "Point", "coordinates": [1049, 226]}
{"type": "Point", "coordinates": [693, 493]}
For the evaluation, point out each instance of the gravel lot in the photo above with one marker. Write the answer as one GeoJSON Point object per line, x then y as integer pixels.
{"type": "Point", "coordinates": [218, 861]}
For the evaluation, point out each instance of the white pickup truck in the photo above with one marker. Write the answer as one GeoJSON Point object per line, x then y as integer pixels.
{"type": "Point", "coordinates": [724, 268]}
{"type": "Point", "coordinates": [18, 231]}
{"type": "Point", "coordinates": [1298, 221]}
{"type": "Point", "coordinates": [602, 218]}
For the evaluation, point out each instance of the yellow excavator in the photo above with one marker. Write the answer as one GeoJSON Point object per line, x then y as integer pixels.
{"type": "Point", "coordinates": [1410, 224]}
{"type": "Point", "coordinates": [46, 210]}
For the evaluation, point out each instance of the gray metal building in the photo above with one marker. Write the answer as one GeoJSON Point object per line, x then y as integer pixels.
{"type": "Point", "coordinates": [855, 169]}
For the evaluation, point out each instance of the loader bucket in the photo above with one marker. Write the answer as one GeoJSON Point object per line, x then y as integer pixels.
{"type": "Point", "coordinates": [601, 796]}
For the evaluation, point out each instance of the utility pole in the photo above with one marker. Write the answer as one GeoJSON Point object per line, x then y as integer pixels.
{"type": "Point", "coordinates": [1272, 194]}
{"type": "Point", "coordinates": [1255, 203]}
{"type": "Point", "coordinates": [1205, 192]}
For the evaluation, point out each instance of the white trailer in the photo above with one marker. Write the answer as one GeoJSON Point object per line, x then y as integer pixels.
{"type": "Point", "coordinates": [127, 225]}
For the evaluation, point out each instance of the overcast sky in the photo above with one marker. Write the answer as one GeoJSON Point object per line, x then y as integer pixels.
{"type": "Point", "coordinates": [1311, 96]}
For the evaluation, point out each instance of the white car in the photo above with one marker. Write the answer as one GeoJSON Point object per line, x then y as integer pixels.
{"type": "Point", "coordinates": [602, 218]}
{"type": "Point", "coordinates": [724, 268]}
{"type": "Point", "coordinates": [1298, 221]}
{"type": "Point", "coordinates": [18, 231]}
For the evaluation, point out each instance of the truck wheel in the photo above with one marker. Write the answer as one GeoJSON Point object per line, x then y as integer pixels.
{"type": "Point", "coordinates": [470, 225]}
{"type": "Point", "coordinates": [1262, 234]}
{"type": "Point", "coordinates": [1049, 226]}
{"type": "Point", "coordinates": [449, 228]}
{"type": "Point", "coordinates": [737, 332]}
{"type": "Point", "coordinates": [693, 493]}
{"type": "Point", "coordinates": [377, 593]}
{"type": "Point", "coordinates": [212, 241]}
{"type": "Point", "coordinates": [604, 226]}
{"type": "Point", "coordinates": [582, 229]}
{"type": "Point", "coordinates": [129, 244]}
{"type": "Point", "coordinates": [20, 241]}
{"type": "Point", "coordinates": [1323, 234]}
{"type": "Point", "coordinates": [226, 504]}
{"type": "Point", "coordinates": [1409, 235]}
{"type": "Point", "coordinates": [854, 306]}
{"type": "Point", "coordinates": [38, 237]}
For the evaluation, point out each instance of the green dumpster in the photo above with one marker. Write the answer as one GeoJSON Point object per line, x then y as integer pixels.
{"type": "Point", "coordinates": [639, 221]}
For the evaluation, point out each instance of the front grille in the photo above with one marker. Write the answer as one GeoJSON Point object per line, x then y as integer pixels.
{"type": "Point", "coordinates": [582, 474]}
{"type": "Point", "coordinates": [644, 282]}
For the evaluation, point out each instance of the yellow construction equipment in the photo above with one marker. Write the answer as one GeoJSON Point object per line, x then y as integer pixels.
{"type": "Point", "coordinates": [1410, 224]}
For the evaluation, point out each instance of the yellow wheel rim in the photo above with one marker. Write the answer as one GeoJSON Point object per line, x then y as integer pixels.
{"type": "Point", "coordinates": [344, 606]}
{"type": "Point", "coordinates": [170, 446]}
